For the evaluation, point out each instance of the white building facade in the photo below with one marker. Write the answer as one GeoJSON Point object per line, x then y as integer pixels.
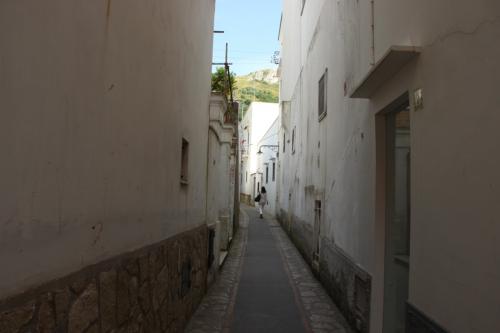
{"type": "Point", "coordinates": [267, 164]}
{"type": "Point", "coordinates": [386, 174]}
{"type": "Point", "coordinates": [104, 121]}
{"type": "Point", "coordinates": [221, 182]}
{"type": "Point", "coordinates": [253, 127]}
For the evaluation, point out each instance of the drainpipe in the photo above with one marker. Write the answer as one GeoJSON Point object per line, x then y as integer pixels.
{"type": "Point", "coordinates": [373, 31]}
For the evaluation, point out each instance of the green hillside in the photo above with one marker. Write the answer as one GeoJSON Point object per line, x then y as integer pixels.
{"type": "Point", "coordinates": [260, 86]}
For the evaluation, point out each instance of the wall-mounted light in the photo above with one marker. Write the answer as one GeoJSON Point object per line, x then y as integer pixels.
{"type": "Point", "coordinates": [268, 146]}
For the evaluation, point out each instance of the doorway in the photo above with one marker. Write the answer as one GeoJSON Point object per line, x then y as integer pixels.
{"type": "Point", "coordinates": [397, 216]}
{"type": "Point", "coordinates": [316, 232]}
{"type": "Point", "coordinates": [254, 193]}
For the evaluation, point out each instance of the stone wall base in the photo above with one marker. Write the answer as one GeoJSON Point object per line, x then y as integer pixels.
{"type": "Point", "coordinates": [348, 285]}
{"type": "Point", "coordinates": [300, 233]}
{"type": "Point", "coordinates": [247, 199]}
{"type": "Point", "coordinates": [155, 289]}
{"type": "Point", "coordinates": [418, 322]}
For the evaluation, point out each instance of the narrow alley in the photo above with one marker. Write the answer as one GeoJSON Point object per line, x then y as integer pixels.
{"type": "Point", "coordinates": [266, 286]}
{"type": "Point", "coordinates": [141, 140]}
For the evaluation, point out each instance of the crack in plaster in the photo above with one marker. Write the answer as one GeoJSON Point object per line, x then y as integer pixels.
{"type": "Point", "coordinates": [481, 24]}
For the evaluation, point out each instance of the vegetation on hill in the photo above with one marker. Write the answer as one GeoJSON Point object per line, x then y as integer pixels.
{"type": "Point", "coordinates": [260, 86]}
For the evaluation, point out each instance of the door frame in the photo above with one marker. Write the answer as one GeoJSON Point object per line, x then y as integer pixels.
{"type": "Point", "coordinates": [381, 199]}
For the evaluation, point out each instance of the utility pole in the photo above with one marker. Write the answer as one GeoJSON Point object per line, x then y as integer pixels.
{"type": "Point", "coordinates": [228, 73]}
{"type": "Point", "coordinates": [235, 120]}
{"type": "Point", "coordinates": [228, 87]}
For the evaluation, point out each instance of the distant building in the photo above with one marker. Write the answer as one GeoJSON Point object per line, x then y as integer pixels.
{"type": "Point", "coordinates": [267, 164]}
{"type": "Point", "coordinates": [389, 167]}
{"type": "Point", "coordinates": [253, 127]}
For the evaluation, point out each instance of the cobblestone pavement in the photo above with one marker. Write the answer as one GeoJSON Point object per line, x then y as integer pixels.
{"type": "Point", "coordinates": [212, 315]}
{"type": "Point", "coordinates": [322, 314]}
{"type": "Point", "coordinates": [216, 311]}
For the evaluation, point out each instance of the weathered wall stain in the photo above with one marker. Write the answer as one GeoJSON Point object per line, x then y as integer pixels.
{"type": "Point", "coordinates": [108, 10]}
{"type": "Point", "coordinates": [98, 228]}
{"type": "Point", "coordinates": [108, 14]}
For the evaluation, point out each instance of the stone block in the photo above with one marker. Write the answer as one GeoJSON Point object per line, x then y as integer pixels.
{"type": "Point", "coordinates": [93, 329]}
{"type": "Point", "coordinates": [156, 261]}
{"type": "Point", "coordinates": [84, 310]}
{"type": "Point", "coordinates": [161, 285]}
{"type": "Point", "coordinates": [107, 299]}
{"type": "Point", "coordinates": [46, 315]}
{"type": "Point", "coordinates": [132, 267]}
{"type": "Point", "coordinates": [62, 299]}
{"type": "Point", "coordinates": [11, 321]}
{"type": "Point", "coordinates": [150, 324]}
{"type": "Point", "coordinates": [122, 297]}
{"type": "Point", "coordinates": [134, 294]}
{"type": "Point", "coordinates": [348, 285]}
{"type": "Point", "coordinates": [144, 268]}
{"type": "Point", "coordinates": [79, 285]}
{"type": "Point", "coordinates": [145, 297]}
{"type": "Point", "coordinates": [135, 309]}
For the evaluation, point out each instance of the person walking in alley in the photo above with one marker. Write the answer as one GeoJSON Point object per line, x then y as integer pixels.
{"type": "Point", "coordinates": [263, 200]}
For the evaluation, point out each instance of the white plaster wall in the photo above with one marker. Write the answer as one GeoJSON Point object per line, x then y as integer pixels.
{"type": "Point", "coordinates": [330, 155]}
{"type": "Point", "coordinates": [290, 55]}
{"type": "Point", "coordinates": [455, 228]}
{"type": "Point", "coordinates": [454, 171]}
{"type": "Point", "coordinates": [220, 170]}
{"type": "Point", "coordinates": [426, 22]}
{"type": "Point", "coordinates": [95, 97]}
{"type": "Point", "coordinates": [454, 177]}
{"type": "Point", "coordinates": [213, 175]}
{"type": "Point", "coordinates": [256, 122]}
{"type": "Point", "coordinates": [263, 116]}
{"type": "Point", "coordinates": [244, 132]}
{"type": "Point", "coordinates": [269, 156]}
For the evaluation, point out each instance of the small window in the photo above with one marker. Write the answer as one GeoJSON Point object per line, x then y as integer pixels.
{"type": "Point", "coordinates": [293, 141]}
{"type": "Point", "coordinates": [267, 174]}
{"type": "Point", "coordinates": [246, 176]}
{"type": "Point", "coordinates": [274, 171]}
{"type": "Point", "coordinates": [184, 161]}
{"type": "Point", "coordinates": [284, 142]}
{"type": "Point", "coordinates": [322, 96]}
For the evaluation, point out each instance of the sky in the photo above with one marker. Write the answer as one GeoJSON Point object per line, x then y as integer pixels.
{"type": "Point", "coordinates": [251, 29]}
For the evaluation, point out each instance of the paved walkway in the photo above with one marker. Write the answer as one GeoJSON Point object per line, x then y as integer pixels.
{"type": "Point", "coordinates": [265, 286]}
